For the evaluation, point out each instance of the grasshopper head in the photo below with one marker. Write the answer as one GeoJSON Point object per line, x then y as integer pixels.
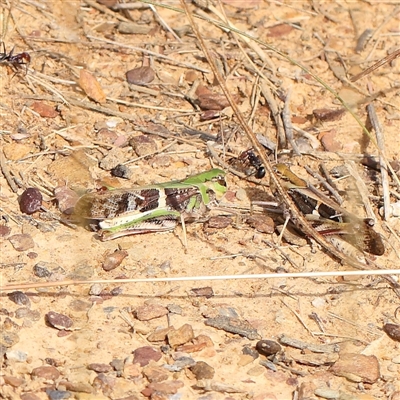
{"type": "Point", "coordinates": [216, 183]}
{"type": "Point", "coordinates": [218, 186]}
{"type": "Point", "coordinates": [207, 182]}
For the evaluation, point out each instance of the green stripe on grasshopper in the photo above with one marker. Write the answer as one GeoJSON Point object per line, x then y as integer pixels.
{"type": "Point", "coordinates": [153, 208]}
{"type": "Point", "coordinates": [158, 220]}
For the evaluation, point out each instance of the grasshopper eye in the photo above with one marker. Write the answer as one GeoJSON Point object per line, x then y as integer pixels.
{"type": "Point", "coordinates": [221, 180]}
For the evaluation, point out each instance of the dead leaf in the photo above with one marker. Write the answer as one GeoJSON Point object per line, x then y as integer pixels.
{"type": "Point", "coordinates": [91, 86]}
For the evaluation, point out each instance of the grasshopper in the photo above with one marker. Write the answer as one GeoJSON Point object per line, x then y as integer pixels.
{"type": "Point", "coordinates": [153, 208]}
{"type": "Point", "coordinates": [329, 219]}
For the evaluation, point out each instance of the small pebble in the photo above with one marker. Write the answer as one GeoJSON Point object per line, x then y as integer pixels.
{"type": "Point", "coordinates": [318, 302]}
{"type": "Point", "coordinates": [202, 370]}
{"type": "Point", "coordinates": [180, 364]}
{"type": "Point", "coordinates": [58, 321]}
{"type": "Point", "coordinates": [393, 331]}
{"type": "Point", "coordinates": [97, 367]}
{"type": "Point", "coordinates": [180, 336]}
{"type": "Point", "coordinates": [13, 381]}
{"type": "Point", "coordinates": [241, 195]}
{"type": "Point", "coordinates": [175, 309]}
{"type": "Point", "coordinates": [165, 388]}
{"type": "Point", "coordinates": [66, 199]}
{"type": "Point", "coordinates": [327, 393]}
{"type": "Point", "coordinates": [140, 75]}
{"type": "Point", "coordinates": [159, 335]}
{"type": "Point", "coordinates": [262, 223]}
{"type": "Point", "coordinates": [16, 355]}
{"type": "Point", "coordinates": [357, 367]}
{"type": "Point", "coordinates": [47, 372]}
{"type": "Point", "coordinates": [19, 298]}
{"type": "Point", "coordinates": [29, 396]}
{"type": "Point", "coordinates": [114, 260]}
{"type": "Point", "coordinates": [268, 347]}
{"type": "Point", "coordinates": [58, 394]}
{"type": "Point", "coordinates": [41, 269]}
{"type": "Point", "coordinates": [143, 355]}
{"type": "Point", "coordinates": [117, 291]}
{"type": "Point", "coordinates": [104, 383]}
{"type": "Point", "coordinates": [150, 311]}
{"type": "Point", "coordinates": [206, 292]}
{"type": "Point", "coordinates": [154, 373]}
{"type": "Point", "coordinates": [30, 201]}
{"type": "Point", "coordinates": [32, 255]}
{"type": "Point", "coordinates": [21, 242]}
{"type": "Point", "coordinates": [250, 351]}
{"type": "Point", "coordinates": [4, 231]}
{"type": "Point", "coordinates": [25, 312]}
{"type": "Point", "coordinates": [8, 339]}
{"type": "Point", "coordinates": [218, 222]}
{"type": "Point", "coordinates": [245, 359]}
{"type": "Point", "coordinates": [121, 171]}
{"type": "Point", "coordinates": [117, 364]}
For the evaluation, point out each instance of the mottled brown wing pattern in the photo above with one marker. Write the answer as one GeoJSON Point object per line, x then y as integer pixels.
{"type": "Point", "coordinates": [108, 204]}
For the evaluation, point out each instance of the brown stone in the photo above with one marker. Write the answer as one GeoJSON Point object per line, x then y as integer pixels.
{"type": "Point", "coordinates": [203, 371]}
{"type": "Point", "coordinates": [180, 336]}
{"type": "Point", "coordinates": [191, 348]}
{"type": "Point", "coordinates": [395, 396]}
{"type": "Point", "coordinates": [155, 374]}
{"type": "Point", "coordinates": [160, 334]}
{"type": "Point", "coordinates": [329, 142]}
{"type": "Point", "coordinates": [150, 311]}
{"type": "Point", "coordinates": [104, 383]}
{"type": "Point", "coordinates": [44, 110]}
{"type": "Point", "coordinates": [357, 367]}
{"type": "Point", "coordinates": [46, 372]}
{"type": "Point", "coordinates": [393, 331]}
{"type": "Point", "coordinates": [143, 355]}
{"type": "Point", "coordinates": [79, 387]}
{"type": "Point", "coordinates": [59, 321]}
{"type": "Point", "coordinates": [132, 371]}
{"type": "Point", "coordinates": [21, 242]}
{"type": "Point", "coordinates": [29, 396]}
{"type": "Point", "coordinates": [13, 381]}
{"type": "Point", "coordinates": [98, 367]}
{"type": "Point", "coordinates": [170, 387]}
{"type": "Point", "coordinates": [114, 260]}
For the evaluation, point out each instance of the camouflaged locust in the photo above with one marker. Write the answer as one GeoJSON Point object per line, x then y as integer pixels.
{"type": "Point", "coordinates": [154, 208]}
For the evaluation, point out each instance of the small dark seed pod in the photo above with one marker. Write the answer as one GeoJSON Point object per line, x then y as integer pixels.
{"type": "Point", "coordinates": [393, 331]}
{"type": "Point", "coordinates": [268, 347]}
{"type": "Point", "coordinates": [30, 201]}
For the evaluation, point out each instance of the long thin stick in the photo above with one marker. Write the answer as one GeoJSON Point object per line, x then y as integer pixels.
{"type": "Point", "coordinates": [22, 286]}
